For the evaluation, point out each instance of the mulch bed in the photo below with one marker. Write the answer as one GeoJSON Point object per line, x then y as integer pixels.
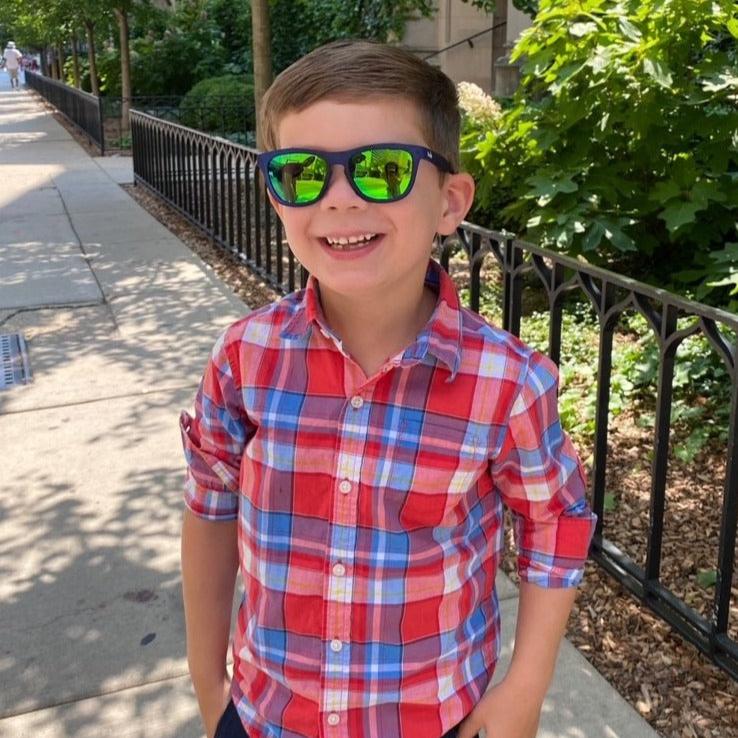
{"type": "Point", "coordinates": [674, 687]}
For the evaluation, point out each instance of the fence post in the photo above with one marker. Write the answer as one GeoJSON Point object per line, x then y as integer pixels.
{"type": "Point", "coordinates": [101, 113]}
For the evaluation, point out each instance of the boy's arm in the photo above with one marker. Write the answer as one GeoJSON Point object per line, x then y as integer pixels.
{"type": "Point", "coordinates": [209, 566]}
{"type": "Point", "coordinates": [541, 480]}
{"type": "Point", "coordinates": [214, 441]}
{"type": "Point", "coordinates": [512, 708]}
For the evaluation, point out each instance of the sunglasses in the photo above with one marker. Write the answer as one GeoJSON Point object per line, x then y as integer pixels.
{"type": "Point", "coordinates": [377, 173]}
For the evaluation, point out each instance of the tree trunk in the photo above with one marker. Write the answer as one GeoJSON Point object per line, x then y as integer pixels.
{"type": "Point", "coordinates": [262, 48]}
{"type": "Point", "coordinates": [60, 61]}
{"type": "Point", "coordinates": [75, 61]}
{"type": "Point", "coordinates": [91, 57]}
{"type": "Point", "coordinates": [47, 66]}
{"type": "Point", "coordinates": [121, 17]}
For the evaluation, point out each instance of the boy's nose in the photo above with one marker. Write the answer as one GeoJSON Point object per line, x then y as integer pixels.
{"type": "Point", "coordinates": [340, 194]}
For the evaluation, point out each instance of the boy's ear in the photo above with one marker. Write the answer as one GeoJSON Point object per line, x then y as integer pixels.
{"type": "Point", "coordinates": [458, 196]}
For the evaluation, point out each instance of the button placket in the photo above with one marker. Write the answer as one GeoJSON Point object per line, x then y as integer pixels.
{"type": "Point", "coordinates": [341, 554]}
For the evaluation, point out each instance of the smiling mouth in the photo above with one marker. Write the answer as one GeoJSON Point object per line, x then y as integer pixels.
{"type": "Point", "coordinates": [350, 243]}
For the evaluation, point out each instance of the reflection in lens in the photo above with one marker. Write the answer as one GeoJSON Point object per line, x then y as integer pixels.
{"type": "Point", "coordinates": [382, 174]}
{"type": "Point", "coordinates": [297, 178]}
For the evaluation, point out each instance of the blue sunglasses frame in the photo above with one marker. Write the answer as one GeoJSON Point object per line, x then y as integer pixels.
{"type": "Point", "coordinates": [418, 153]}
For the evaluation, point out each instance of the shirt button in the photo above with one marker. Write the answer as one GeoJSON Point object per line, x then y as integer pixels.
{"type": "Point", "coordinates": [357, 402]}
{"type": "Point", "coordinates": [345, 486]}
{"type": "Point", "coordinates": [336, 645]}
{"type": "Point", "coordinates": [339, 570]}
{"type": "Point", "coordinates": [334, 719]}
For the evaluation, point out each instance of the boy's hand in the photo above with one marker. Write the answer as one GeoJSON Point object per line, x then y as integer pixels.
{"type": "Point", "coordinates": [504, 712]}
{"type": "Point", "coordinates": [213, 705]}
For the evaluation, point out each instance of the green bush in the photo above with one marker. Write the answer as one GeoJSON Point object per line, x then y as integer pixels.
{"type": "Point", "coordinates": [108, 72]}
{"type": "Point", "coordinates": [173, 64]}
{"type": "Point", "coordinates": [221, 105]}
{"type": "Point", "coordinates": [621, 144]}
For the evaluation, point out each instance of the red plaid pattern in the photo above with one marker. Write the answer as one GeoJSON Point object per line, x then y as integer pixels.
{"type": "Point", "coordinates": [370, 513]}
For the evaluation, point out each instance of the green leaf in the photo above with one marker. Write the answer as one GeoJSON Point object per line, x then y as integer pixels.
{"type": "Point", "coordinates": [594, 237]}
{"type": "Point", "coordinates": [616, 236]}
{"type": "Point", "coordinates": [707, 190]}
{"type": "Point", "coordinates": [679, 214]}
{"type": "Point", "coordinates": [664, 191]}
{"type": "Point", "coordinates": [582, 29]}
{"type": "Point", "coordinates": [548, 186]}
{"type": "Point", "coordinates": [628, 29]}
{"type": "Point", "coordinates": [611, 503]}
{"type": "Point", "coordinates": [732, 26]}
{"type": "Point", "coordinates": [728, 254]}
{"type": "Point", "coordinates": [658, 71]}
{"type": "Point", "coordinates": [707, 578]}
{"type": "Point", "coordinates": [719, 82]}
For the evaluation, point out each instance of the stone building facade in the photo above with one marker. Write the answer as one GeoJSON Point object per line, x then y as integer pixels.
{"type": "Point", "coordinates": [483, 59]}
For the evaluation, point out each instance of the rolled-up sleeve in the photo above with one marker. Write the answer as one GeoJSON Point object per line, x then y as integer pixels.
{"type": "Point", "coordinates": [214, 440]}
{"type": "Point", "coordinates": [541, 480]}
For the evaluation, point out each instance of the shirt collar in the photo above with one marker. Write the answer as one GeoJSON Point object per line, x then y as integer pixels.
{"type": "Point", "coordinates": [307, 311]}
{"type": "Point", "coordinates": [440, 337]}
{"type": "Point", "coordinates": [442, 334]}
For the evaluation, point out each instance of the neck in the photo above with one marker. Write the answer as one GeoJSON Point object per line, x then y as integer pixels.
{"type": "Point", "coordinates": [373, 331]}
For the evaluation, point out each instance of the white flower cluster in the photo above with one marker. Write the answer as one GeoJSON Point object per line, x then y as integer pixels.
{"type": "Point", "coordinates": [477, 104]}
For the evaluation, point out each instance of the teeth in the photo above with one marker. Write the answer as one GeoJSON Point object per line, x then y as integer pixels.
{"type": "Point", "coordinates": [341, 242]}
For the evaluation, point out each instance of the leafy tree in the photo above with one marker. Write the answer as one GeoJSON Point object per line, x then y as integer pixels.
{"type": "Point", "coordinates": [92, 16]}
{"type": "Point", "coordinates": [621, 142]}
{"type": "Point", "coordinates": [301, 26]}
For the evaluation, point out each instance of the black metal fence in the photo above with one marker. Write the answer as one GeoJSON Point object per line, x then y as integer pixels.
{"type": "Point", "coordinates": [81, 108]}
{"type": "Point", "coordinates": [102, 119]}
{"type": "Point", "coordinates": [217, 186]}
{"type": "Point", "coordinates": [117, 127]}
{"type": "Point", "coordinates": [220, 115]}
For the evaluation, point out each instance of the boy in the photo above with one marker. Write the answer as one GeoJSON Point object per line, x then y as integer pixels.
{"type": "Point", "coordinates": [353, 444]}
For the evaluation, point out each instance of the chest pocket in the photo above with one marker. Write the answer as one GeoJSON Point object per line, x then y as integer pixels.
{"type": "Point", "coordinates": [430, 469]}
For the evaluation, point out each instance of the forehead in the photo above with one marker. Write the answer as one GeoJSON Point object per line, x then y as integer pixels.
{"type": "Point", "coordinates": [336, 125]}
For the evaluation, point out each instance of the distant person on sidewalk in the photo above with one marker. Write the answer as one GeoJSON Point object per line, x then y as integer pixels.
{"type": "Point", "coordinates": [353, 444]}
{"type": "Point", "coordinates": [12, 58]}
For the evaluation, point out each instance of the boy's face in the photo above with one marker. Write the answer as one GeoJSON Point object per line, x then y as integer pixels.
{"type": "Point", "coordinates": [396, 257]}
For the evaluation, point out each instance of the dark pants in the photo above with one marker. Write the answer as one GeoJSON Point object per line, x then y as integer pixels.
{"type": "Point", "coordinates": [230, 725]}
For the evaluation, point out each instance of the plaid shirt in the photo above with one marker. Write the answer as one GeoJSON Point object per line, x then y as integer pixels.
{"type": "Point", "coordinates": [370, 513]}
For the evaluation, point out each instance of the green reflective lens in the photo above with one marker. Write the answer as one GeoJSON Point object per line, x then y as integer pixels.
{"type": "Point", "coordinates": [382, 175]}
{"type": "Point", "coordinates": [298, 178]}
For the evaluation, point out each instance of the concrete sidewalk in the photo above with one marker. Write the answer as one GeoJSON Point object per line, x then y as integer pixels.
{"type": "Point", "coordinates": [119, 317]}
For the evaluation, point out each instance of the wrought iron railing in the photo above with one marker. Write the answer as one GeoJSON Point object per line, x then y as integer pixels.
{"type": "Point", "coordinates": [81, 108]}
{"type": "Point", "coordinates": [672, 319]}
{"type": "Point", "coordinates": [217, 186]}
{"type": "Point", "coordinates": [220, 115]}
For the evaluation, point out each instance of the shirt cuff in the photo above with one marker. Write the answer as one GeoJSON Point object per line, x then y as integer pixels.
{"type": "Point", "coordinates": [206, 493]}
{"type": "Point", "coordinates": [553, 553]}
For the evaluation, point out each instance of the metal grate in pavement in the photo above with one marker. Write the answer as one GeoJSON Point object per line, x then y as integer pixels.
{"type": "Point", "coordinates": [15, 368]}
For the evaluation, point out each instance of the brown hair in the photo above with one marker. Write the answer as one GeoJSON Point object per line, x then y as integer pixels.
{"type": "Point", "coordinates": [351, 71]}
